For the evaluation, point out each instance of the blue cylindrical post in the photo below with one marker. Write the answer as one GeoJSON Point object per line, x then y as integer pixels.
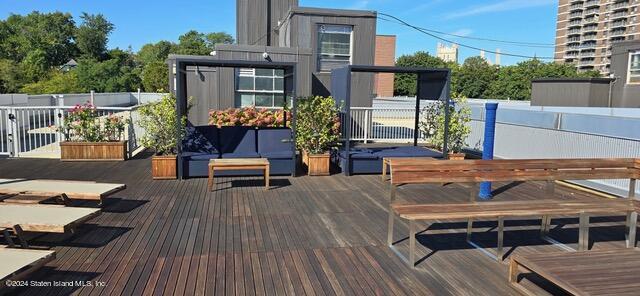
{"type": "Point", "coordinates": [487, 146]}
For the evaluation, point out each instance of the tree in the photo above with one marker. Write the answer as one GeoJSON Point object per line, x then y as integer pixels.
{"type": "Point", "coordinates": [155, 77]}
{"type": "Point", "coordinates": [92, 36]}
{"type": "Point", "coordinates": [474, 77]}
{"type": "Point", "coordinates": [117, 73]}
{"type": "Point", "coordinates": [192, 43]}
{"type": "Point", "coordinates": [10, 76]}
{"type": "Point", "coordinates": [214, 38]}
{"type": "Point", "coordinates": [58, 82]}
{"type": "Point", "coordinates": [52, 33]}
{"type": "Point", "coordinates": [154, 52]}
{"type": "Point", "coordinates": [34, 66]}
{"type": "Point", "coordinates": [405, 84]}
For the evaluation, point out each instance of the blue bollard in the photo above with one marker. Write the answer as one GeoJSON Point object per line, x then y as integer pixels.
{"type": "Point", "coordinates": [487, 146]}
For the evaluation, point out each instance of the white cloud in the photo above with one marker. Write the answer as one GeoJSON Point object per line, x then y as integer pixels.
{"type": "Point", "coordinates": [501, 6]}
{"type": "Point", "coordinates": [462, 32]}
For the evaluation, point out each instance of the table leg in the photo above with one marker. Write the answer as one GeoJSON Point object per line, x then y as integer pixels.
{"type": "Point", "coordinates": [632, 224]}
{"type": "Point", "coordinates": [583, 240]}
{"type": "Point", "coordinates": [266, 177]}
{"type": "Point", "coordinates": [545, 226]}
{"type": "Point", "coordinates": [513, 271]}
{"type": "Point", "coordinates": [210, 181]}
{"type": "Point", "coordinates": [412, 243]}
{"type": "Point", "coordinates": [500, 249]}
{"type": "Point", "coordinates": [384, 170]}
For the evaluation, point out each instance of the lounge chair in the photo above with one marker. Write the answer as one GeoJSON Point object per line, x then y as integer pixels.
{"type": "Point", "coordinates": [43, 218]}
{"type": "Point", "coordinates": [19, 263]}
{"type": "Point", "coordinates": [83, 190]}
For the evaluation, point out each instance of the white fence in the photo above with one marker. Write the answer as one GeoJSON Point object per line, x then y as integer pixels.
{"type": "Point", "coordinates": [123, 99]}
{"type": "Point", "coordinates": [394, 125]}
{"type": "Point", "coordinates": [33, 132]}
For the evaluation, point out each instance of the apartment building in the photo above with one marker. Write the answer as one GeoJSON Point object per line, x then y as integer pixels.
{"type": "Point", "coordinates": [587, 29]}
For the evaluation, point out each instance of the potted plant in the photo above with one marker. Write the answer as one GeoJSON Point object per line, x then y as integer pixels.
{"type": "Point", "coordinates": [90, 136]}
{"type": "Point", "coordinates": [433, 122]}
{"type": "Point", "coordinates": [159, 120]}
{"type": "Point", "coordinates": [317, 132]}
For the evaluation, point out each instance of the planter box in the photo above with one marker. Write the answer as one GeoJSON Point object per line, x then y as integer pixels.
{"type": "Point", "coordinates": [456, 156]}
{"type": "Point", "coordinates": [317, 164]}
{"type": "Point", "coordinates": [93, 151]}
{"type": "Point", "coordinates": [163, 167]}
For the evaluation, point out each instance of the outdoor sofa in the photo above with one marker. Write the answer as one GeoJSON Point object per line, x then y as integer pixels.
{"type": "Point", "coordinates": [203, 143]}
{"type": "Point", "coordinates": [369, 160]}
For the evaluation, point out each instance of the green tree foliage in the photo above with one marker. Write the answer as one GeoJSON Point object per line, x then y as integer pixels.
{"type": "Point", "coordinates": [58, 82]}
{"type": "Point", "coordinates": [10, 76]}
{"type": "Point", "coordinates": [115, 74]}
{"type": "Point", "coordinates": [51, 33]}
{"type": "Point", "coordinates": [92, 35]}
{"type": "Point", "coordinates": [514, 82]}
{"type": "Point", "coordinates": [214, 38]}
{"type": "Point", "coordinates": [155, 77]}
{"type": "Point", "coordinates": [155, 52]}
{"type": "Point", "coordinates": [474, 77]}
{"type": "Point", "coordinates": [405, 84]}
{"type": "Point", "coordinates": [192, 43]}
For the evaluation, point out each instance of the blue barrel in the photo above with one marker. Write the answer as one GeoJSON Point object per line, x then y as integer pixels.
{"type": "Point", "coordinates": [487, 146]}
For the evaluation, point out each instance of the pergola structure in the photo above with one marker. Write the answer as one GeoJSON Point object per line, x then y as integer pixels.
{"type": "Point", "coordinates": [432, 84]}
{"type": "Point", "coordinates": [183, 61]}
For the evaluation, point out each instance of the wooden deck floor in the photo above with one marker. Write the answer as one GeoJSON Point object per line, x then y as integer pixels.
{"type": "Point", "coordinates": [308, 235]}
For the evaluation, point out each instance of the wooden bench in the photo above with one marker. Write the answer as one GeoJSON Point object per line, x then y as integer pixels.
{"type": "Point", "coordinates": [17, 264]}
{"type": "Point", "coordinates": [235, 164]}
{"type": "Point", "coordinates": [389, 162]}
{"type": "Point", "coordinates": [550, 170]}
{"type": "Point", "coordinates": [502, 210]}
{"type": "Point", "coordinates": [610, 272]}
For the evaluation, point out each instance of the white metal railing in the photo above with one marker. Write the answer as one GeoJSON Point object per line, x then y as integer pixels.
{"type": "Point", "coordinates": [381, 124]}
{"type": "Point", "coordinates": [33, 131]}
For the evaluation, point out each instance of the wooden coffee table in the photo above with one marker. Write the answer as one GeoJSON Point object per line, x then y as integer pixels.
{"type": "Point", "coordinates": [236, 164]}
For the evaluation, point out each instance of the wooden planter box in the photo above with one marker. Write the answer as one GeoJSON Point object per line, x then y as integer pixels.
{"type": "Point", "coordinates": [163, 167]}
{"type": "Point", "coordinates": [93, 151]}
{"type": "Point", "coordinates": [317, 164]}
{"type": "Point", "coordinates": [456, 156]}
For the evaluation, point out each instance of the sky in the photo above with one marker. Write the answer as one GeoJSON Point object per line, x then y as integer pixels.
{"type": "Point", "coordinates": [138, 22]}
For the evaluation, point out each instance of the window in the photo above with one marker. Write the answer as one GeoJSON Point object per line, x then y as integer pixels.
{"type": "Point", "coordinates": [259, 87]}
{"type": "Point", "coordinates": [634, 68]}
{"type": "Point", "coordinates": [334, 46]}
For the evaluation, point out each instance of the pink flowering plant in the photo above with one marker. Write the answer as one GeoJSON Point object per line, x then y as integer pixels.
{"type": "Point", "coordinates": [249, 116]}
{"type": "Point", "coordinates": [83, 123]}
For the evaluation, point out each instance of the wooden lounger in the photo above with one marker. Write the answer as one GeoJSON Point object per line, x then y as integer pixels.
{"type": "Point", "coordinates": [610, 272]}
{"type": "Point", "coordinates": [16, 264]}
{"type": "Point", "coordinates": [44, 218]}
{"type": "Point", "coordinates": [501, 210]}
{"type": "Point", "coordinates": [85, 190]}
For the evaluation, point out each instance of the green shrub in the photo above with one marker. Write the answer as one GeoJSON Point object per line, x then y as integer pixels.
{"type": "Point", "coordinates": [433, 122]}
{"type": "Point", "coordinates": [159, 120]}
{"type": "Point", "coordinates": [317, 124]}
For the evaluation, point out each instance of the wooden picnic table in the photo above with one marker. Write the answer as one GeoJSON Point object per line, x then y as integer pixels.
{"type": "Point", "coordinates": [609, 272]}
{"type": "Point", "coordinates": [231, 164]}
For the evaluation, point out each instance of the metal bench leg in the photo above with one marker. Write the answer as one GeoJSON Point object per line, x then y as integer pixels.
{"type": "Point", "coordinates": [632, 223]}
{"type": "Point", "coordinates": [473, 192]}
{"type": "Point", "coordinates": [7, 238]}
{"type": "Point", "coordinates": [390, 229]}
{"type": "Point", "coordinates": [412, 243]}
{"type": "Point", "coordinates": [392, 192]}
{"type": "Point", "coordinates": [469, 229]}
{"type": "Point", "coordinates": [17, 230]}
{"type": "Point", "coordinates": [500, 249]}
{"type": "Point", "coordinates": [583, 240]}
{"type": "Point", "coordinates": [632, 188]}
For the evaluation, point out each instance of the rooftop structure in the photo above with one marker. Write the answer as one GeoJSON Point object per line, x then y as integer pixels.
{"type": "Point", "coordinates": [587, 30]}
{"type": "Point", "coordinates": [447, 53]}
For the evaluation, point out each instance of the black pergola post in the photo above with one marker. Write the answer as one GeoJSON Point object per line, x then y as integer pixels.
{"type": "Point", "coordinates": [182, 61]}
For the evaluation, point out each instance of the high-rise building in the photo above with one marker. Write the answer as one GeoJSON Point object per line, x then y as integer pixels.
{"type": "Point", "coordinates": [586, 30]}
{"type": "Point", "coordinates": [447, 53]}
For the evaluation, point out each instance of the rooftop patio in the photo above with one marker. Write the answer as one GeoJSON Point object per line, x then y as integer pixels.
{"type": "Point", "coordinates": [307, 235]}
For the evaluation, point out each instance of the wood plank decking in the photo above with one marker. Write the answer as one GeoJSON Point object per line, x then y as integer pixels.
{"type": "Point", "coordinates": [308, 235]}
